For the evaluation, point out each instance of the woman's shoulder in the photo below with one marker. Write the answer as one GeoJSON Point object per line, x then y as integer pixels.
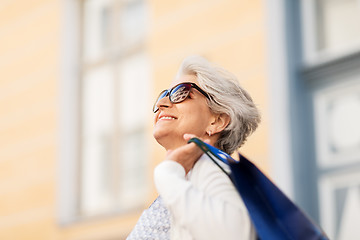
{"type": "Point", "coordinates": [206, 173]}
{"type": "Point", "coordinates": [207, 165]}
{"type": "Point", "coordinates": [209, 178]}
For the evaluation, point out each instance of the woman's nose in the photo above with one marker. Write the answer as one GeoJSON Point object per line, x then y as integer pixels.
{"type": "Point", "coordinates": [164, 102]}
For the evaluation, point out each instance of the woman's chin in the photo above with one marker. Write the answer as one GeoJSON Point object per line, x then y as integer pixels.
{"type": "Point", "coordinates": [167, 140]}
{"type": "Point", "coordinates": [161, 137]}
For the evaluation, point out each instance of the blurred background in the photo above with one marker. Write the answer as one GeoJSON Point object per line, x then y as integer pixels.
{"type": "Point", "coordinates": [78, 79]}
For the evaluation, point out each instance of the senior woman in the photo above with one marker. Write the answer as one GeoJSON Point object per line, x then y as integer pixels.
{"type": "Point", "coordinates": [197, 200]}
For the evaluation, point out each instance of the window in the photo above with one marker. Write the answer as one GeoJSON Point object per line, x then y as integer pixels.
{"type": "Point", "coordinates": [315, 93]}
{"type": "Point", "coordinates": [337, 145]}
{"type": "Point", "coordinates": [332, 78]}
{"type": "Point", "coordinates": [114, 102]}
{"type": "Point", "coordinates": [332, 28]}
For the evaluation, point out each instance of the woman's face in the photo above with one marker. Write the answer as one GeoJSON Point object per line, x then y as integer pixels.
{"type": "Point", "coordinates": [172, 121]}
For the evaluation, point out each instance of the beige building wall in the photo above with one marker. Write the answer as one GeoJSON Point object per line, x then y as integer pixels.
{"type": "Point", "coordinates": [230, 33]}
{"type": "Point", "coordinates": [29, 50]}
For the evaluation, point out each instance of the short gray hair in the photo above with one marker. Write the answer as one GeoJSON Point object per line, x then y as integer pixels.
{"type": "Point", "coordinates": [226, 97]}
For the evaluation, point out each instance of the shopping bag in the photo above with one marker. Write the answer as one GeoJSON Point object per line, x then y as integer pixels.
{"type": "Point", "coordinates": [273, 214]}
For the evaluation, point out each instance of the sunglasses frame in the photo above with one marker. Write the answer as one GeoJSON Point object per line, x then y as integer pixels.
{"type": "Point", "coordinates": [169, 93]}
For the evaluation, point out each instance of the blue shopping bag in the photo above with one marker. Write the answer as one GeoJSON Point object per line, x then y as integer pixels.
{"type": "Point", "coordinates": [273, 214]}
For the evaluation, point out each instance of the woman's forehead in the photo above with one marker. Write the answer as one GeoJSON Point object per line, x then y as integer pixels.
{"type": "Point", "coordinates": [184, 78]}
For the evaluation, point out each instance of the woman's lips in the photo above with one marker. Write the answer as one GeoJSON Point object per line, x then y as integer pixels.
{"type": "Point", "coordinates": [166, 117]}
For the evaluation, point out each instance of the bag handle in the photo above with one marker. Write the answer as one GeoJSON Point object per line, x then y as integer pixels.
{"type": "Point", "coordinates": [212, 152]}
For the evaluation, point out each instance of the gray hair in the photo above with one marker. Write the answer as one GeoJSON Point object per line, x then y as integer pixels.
{"type": "Point", "coordinates": [226, 97]}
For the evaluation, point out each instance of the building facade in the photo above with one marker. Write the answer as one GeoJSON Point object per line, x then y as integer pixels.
{"type": "Point", "coordinates": [78, 78]}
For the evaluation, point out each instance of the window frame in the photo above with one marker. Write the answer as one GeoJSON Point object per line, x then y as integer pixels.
{"type": "Point", "coordinates": [73, 68]}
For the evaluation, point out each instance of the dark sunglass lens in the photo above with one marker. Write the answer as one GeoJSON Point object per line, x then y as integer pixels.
{"type": "Point", "coordinates": [180, 93]}
{"type": "Point", "coordinates": [162, 95]}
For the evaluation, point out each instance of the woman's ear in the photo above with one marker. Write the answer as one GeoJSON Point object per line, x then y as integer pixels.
{"type": "Point", "coordinates": [221, 121]}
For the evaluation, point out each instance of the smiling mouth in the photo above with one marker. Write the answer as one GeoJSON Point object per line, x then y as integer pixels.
{"type": "Point", "coordinates": [166, 118]}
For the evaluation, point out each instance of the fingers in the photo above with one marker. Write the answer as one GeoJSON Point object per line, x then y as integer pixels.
{"type": "Point", "coordinates": [188, 136]}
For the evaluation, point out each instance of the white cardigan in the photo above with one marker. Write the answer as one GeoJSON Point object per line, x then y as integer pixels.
{"type": "Point", "coordinates": [203, 204]}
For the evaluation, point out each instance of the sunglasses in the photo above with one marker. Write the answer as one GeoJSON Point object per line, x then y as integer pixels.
{"type": "Point", "coordinates": [178, 93]}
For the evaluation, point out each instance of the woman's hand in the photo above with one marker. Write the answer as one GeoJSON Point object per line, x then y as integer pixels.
{"type": "Point", "coordinates": [186, 155]}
